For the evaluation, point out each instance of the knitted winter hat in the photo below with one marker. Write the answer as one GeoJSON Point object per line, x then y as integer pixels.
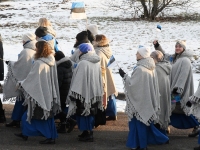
{"type": "Point", "coordinates": [28, 37]}
{"type": "Point", "coordinates": [144, 51]}
{"type": "Point", "coordinates": [82, 36]}
{"type": "Point", "coordinates": [93, 28]}
{"type": "Point", "coordinates": [182, 44]}
{"type": "Point", "coordinates": [158, 55]}
{"type": "Point", "coordinates": [41, 31]}
{"type": "Point", "coordinates": [85, 47]}
{"type": "Point", "coordinates": [59, 55]}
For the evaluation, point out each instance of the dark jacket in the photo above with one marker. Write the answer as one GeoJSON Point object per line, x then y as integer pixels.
{"type": "Point", "coordinates": [1, 62]}
{"type": "Point", "coordinates": [64, 70]}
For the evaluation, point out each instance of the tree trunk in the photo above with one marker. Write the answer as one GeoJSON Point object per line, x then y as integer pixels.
{"type": "Point", "coordinates": [146, 13]}
{"type": "Point", "coordinates": [154, 11]}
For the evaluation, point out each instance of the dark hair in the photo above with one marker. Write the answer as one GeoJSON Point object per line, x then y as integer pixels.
{"type": "Point", "coordinates": [41, 31]}
{"type": "Point", "coordinates": [90, 36]}
{"type": "Point", "coordinates": [43, 49]}
{"type": "Point", "coordinates": [81, 37]}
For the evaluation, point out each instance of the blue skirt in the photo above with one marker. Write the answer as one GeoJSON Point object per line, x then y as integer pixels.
{"type": "Point", "coordinates": [141, 135]}
{"type": "Point", "coordinates": [18, 110]}
{"type": "Point", "coordinates": [85, 122]}
{"type": "Point", "coordinates": [181, 121]}
{"type": "Point", "coordinates": [199, 139]}
{"type": "Point", "coordinates": [111, 109]}
{"type": "Point", "coordinates": [44, 128]}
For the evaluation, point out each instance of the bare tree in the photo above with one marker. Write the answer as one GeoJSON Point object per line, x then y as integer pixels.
{"type": "Point", "coordinates": [150, 8]}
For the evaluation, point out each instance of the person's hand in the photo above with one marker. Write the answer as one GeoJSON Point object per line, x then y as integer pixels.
{"type": "Point", "coordinates": [121, 72]}
{"type": "Point", "coordinates": [18, 86]}
{"type": "Point", "coordinates": [7, 62]}
{"type": "Point", "coordinates": [174, 92]}
{"type": "Point", "coordinates": [188, 104]}
{"type": "Point", "coordinates": [155, 43]}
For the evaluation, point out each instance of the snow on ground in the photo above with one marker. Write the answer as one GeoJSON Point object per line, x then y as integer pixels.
{"type": "Point", "coordinates": [126, 36]}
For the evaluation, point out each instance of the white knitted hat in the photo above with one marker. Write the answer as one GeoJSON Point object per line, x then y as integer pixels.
{"type": "Point", "coordinates": [144, 52]}
{"type": "Point", "coordinates": [93, 28]}
{"type": "Point", "coordinates": [28, 37]}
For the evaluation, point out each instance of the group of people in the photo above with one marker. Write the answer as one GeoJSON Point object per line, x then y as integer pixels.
{"type": "Point", "coordinates": [47, 85]}
{"type": "Point", "coordinates": [80, 90]}
{"type": "Point", "coordinates": [160, 92]}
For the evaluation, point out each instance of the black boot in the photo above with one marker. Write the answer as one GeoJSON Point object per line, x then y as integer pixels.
{"type": "Point", "coordinates": [62, 128]}
{"type": "Point", "coordinates": [2, 113]}
{"type": "Point", "coordinates": [197, 148]}
{"type": "Point", "coordinates": [195, 132]}
{"type": "Point", "coordinates": [84, 133]}
{"type": "Point", "coordinates": [25, 138]}
{"type": "Point", "coordinates": [72, 124]}
{"type": "Point", "coordinates": [13, 124]}
{"type": "Point", "coordinates": [2, 117]}
{"type": "Point", "coordinates": [48, 141]}
{"type": "Point", "coordinates": [87, 138]}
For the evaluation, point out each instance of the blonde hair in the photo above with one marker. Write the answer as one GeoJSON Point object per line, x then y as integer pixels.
{"type": "Point", "coordinates": [44, 22]}
{"type": "Point", "coordinates": [101, 40]}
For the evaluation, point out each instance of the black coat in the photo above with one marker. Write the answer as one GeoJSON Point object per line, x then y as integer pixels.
{"type": "Point", "coordinates": [64, 71]}
{"type": "Point", "coordinates": [1, 62]}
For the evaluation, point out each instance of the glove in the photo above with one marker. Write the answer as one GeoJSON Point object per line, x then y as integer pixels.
{"type": "Point", "coordinates": [188, 104]}
{"type": "Point", "coordinates": [7, 62]}
{"type": "Point", "coordinates": [174, 92]}
{"type": "Point", "coordinates": [121, 72]}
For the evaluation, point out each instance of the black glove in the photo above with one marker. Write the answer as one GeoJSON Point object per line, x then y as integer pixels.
{"type": "Point", "coordinates": [188, 104]}
{"type": "Point", "coordinates": [174, 92]}
{"type": "Point", "coordinates": [7, 62]}
{"type": "Point", "coordinates": [121, 72]}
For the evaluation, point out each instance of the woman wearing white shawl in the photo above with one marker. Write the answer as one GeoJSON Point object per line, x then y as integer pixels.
{"type": "Point", "coordinates": [17, 71]}
{"type": "Point", "coordinates": [181, 82]}
{"type": "Point", "coordinates": [81, 38]}
{"type": "Point", "coordinates": [86, 91]}
{"type": "Point", "coordinates": [142, 108]}
{"type": "Point", "coordinates": [163, 70]}
{"type": "Point", "coordinates": [42, 98]}
{"type": "Point", "coordinates": [195, 109]}
{"type": "Point", "coordinates": [104, 51]}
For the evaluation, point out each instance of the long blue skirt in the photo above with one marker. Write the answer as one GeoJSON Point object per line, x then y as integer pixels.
{"type": "Point", "coordinates": [18, 110]}
{"type": "Point", "coordinates": [181, 121]}
{"type": "Point", "coordinates": [141, 135]}
{"type": "Point", "coordinates": [111, 109]}
{"type": "Point", "coordinates": [85, 122]}
{"type": "Point", "coordinates": [44, 128]}
{"type": "Point", "coordinates": [199, 139]}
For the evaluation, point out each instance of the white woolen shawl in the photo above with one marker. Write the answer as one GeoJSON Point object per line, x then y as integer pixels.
{"type": "Point", "coordinates": [195, 99]}
{"type": "Point", "coordinates": [142, 93]}
{"type": "Point", "coordinates": [41, 87]}
{"type": "Point", "coordinates": [86, 84]}
{"type": "Point", "coordinates": [181, 78]}
{"type": "Point", "coordinates": [18, 70]}
{"type": "Point", "coordinates": [105, 53]}
{"type": "Point", "coordinates": [163, 70]}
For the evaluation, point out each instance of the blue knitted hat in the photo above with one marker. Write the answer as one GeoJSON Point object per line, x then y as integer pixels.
{"type": "Point", "coordinates": [84, 48]}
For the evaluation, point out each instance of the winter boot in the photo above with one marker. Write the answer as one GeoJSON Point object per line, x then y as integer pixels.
{"type": "Point", "coordinates": [72, 124]}
{"type": "Point", "coordinates": [84, 133]}
{"type": "Point", "coordinates": [13, 124]}
{"type": "Point", "coordinates": [62, 128]}
{"type": "Point", "coordinates": [87, 138]}
{"type": "Point", "coordinates": [2, 113]}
